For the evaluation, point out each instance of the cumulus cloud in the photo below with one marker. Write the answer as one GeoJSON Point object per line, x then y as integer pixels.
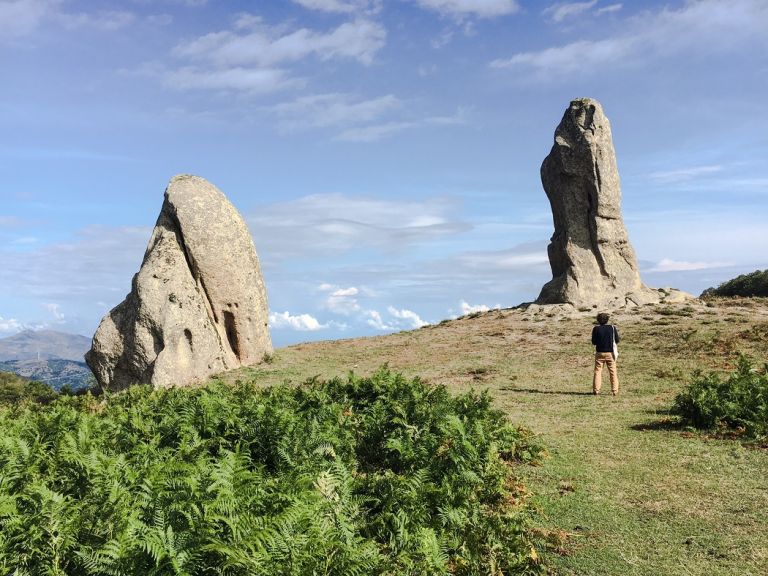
{"type": "Point", "coordinates": [408, 317]}
{"type": "Point", "coordinates": [55, 310]}
{"type": "Point", "coordinates": [300, 322]}
{"type": "Point", "coordinates": [10, 325]}
{"type": "Point", "coordinates": [467, 308]}
{"type": "Point", "coordinates": [705, 26]}
{"type": "Point", "coordinates": [343, 301]}
{"type": "Point", "coordinates": [477, 8]}
{"type": "Point", "coordinates": [374, 320]}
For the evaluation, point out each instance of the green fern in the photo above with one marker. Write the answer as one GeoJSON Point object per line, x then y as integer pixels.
{"type": "Point", "coordinates": [379, 475]}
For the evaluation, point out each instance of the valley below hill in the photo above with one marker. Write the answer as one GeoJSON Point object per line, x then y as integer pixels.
{"type": "Point", "coordinates": [55, 358]}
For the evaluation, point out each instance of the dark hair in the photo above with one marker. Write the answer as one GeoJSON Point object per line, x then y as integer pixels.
{"type": "Point", "coordinates": [602, 318]}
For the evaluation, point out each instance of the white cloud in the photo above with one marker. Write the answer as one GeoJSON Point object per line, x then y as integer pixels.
{"type": "Point", "coordinates": [339, 6]}
{"type": "Point", "coordinates": [251, 80]}
{"type": "Point", "coordinates": [55, 310]}
{"type": "Point", "coordinates": [254, 57]}
{"type": "Point", "coordinates": [107, 21]}
{"type": "Point", "coordinates": [467, 308]}
{"type": "Point", "coordinates": [300, 322]}
{"type": "Point", "coordinates": [610, 9]}
{"type": "Point", "coordinates": [374, 320]}
{"type": "Point", "coordinates": [516, 258]}
{"type": "Point", "coordinates": [331, 224]}
{"type": "Point", "coordinates": [410, 318]}
{"type": "Point", "coordinates": [478, 8]}
{"type": "Point", "coordinates": [264, 46]}
{"type": "Point", "coordinates": [343, 301]}
{"type": "Point", "coordinates": [562, 10]}
{"type": "Point", "coordinates": [668, 265]}
{"type": "Point", "coordinates": [98, 261]}
{"type": "Point", "coordinates": [374, 133]}
{"type": "Point", "coordinates": [684, 174]}
{"type": "Point", "coordinates": [338, 111]}
{"type": "Point", "coordinates": [20, 18]}
{"type": "Point", "coordinates": [10, 325]}
{"type": "Point", "coordinates": [580, 55]}
{"type": "Point", "coordinates": [324, 110]}
{"type": "Point", "coordinates": [699, 27]}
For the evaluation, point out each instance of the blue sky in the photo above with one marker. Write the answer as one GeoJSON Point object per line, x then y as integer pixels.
{"type": "Point", "coordinates": [385, 153]}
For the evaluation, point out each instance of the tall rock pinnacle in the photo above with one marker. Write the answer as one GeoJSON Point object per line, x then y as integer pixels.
{"type": "Point", "coordinates": [591, 258]}
{"type": "Point", "coordinates": [198, 304]}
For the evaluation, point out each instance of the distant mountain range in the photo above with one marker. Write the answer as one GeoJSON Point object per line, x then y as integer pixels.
{"type": "Point", "coordinates": [48, 356]}
{"type": "Point", "coordinates": [44, 345]}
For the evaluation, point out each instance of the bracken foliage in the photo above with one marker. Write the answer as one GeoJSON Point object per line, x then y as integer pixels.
{"type": "Point", "coordinates": [738, 403]}
{"type": "Point", "coordinates": [379, 475]}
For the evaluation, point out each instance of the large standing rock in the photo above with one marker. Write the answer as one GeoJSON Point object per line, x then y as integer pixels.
{"type": "Point", "coordinates": [198, 304]}
{"type": "Point", "coordinates": [591, 258]}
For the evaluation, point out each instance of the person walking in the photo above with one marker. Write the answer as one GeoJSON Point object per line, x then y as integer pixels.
{"type": "Point", "coordinates": [604, 336]}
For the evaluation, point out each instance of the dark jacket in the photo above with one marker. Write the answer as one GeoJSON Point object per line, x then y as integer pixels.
{"type": "Point", "coordinates": [602, 337]}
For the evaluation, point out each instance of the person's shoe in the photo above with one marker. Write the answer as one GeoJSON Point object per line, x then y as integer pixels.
{"type": "Point", "coordinates": [615, 393]}
{"type": "Point", "coordinates": [595, 392]}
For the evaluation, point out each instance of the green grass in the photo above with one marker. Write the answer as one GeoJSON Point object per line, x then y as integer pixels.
{"type": "Point", "coordinates": [625, 489]}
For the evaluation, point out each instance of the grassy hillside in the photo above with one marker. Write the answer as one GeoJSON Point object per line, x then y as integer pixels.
{"type": "Point", "coordinates": [16, 389]}
{"type": "Point", "coordinates": [625, 489]}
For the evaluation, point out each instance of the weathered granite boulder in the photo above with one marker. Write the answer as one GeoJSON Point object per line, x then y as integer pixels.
{"type": "Point", "coordinates": [591, 258]}
{"type": "Point", "coordinates": [198, 304]}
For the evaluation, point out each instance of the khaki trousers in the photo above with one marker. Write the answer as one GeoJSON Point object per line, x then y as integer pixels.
{"type": "Point", "coordinates": [600, 359]}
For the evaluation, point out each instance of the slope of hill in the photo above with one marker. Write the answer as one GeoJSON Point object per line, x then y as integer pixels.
{"type": "Point", "coordinates": [44, 344]}
{"type": "Point", "coordinates": [15, 388]}
{"type": "Point", "coordinates": [625, 490]}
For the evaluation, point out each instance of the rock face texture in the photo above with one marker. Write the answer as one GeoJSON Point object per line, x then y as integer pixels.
{"type": "Point", "coordinates": [198, 304]}
{"type": "Point", "coordinates": [591, 258]}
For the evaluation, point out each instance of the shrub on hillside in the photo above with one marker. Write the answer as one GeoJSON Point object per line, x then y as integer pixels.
{"type": "Point", "coordinates": [379, 475]}
{"type": "Point", "coordinates": [15, 389]}
{"type": "Point", "coordinates": [752, 284]}
{"type": "Point", "coordinates": [738, 402]}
